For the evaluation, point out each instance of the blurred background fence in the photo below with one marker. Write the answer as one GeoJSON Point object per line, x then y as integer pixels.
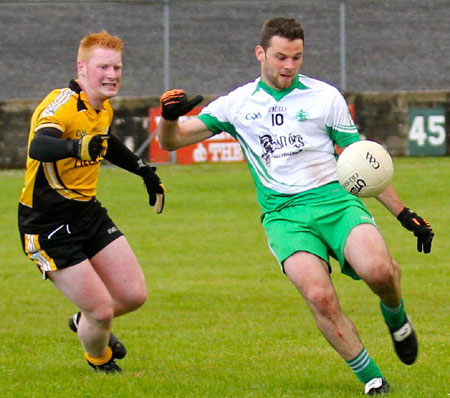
{"type": "Point", "coordinates": [207, 47]}
{"type": "Point", "coordinates": [391, 45]}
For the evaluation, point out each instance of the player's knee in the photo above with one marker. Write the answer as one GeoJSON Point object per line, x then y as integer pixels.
{"type": "Point", "coordinates": [101, 314]}
{"type": "Point", "coordinates": [134, 298]}
{"type": "Point", "coordinates": [139, 299]}
{"type": "Point", "coordinates": [323, 302]}
{"type": "Point", "coordinates": [382, 273]}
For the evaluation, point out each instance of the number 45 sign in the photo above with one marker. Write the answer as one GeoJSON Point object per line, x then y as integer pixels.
{"type": "Point", "coordinates": [427, 134]}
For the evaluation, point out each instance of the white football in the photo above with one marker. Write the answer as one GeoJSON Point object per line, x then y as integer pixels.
{"type": "Point", "coordinates": [365, 169]}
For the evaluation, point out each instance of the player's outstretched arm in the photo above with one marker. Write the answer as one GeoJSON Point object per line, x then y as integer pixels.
{"type": "Point", "coordinates": [121, 156]}
{"type": "Point", "coordinates": [409, 220]}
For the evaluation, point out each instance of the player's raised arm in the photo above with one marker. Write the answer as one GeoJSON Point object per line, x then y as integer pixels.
{"type": "Point", "coordinates": [173, 135]}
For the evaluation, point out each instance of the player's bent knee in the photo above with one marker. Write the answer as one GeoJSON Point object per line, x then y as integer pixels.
{"type": "Point", "coordinates": [381, 273]}
{"type": "Point", "coordinates": [100, 314]}
{"type": "Point", "coordinates": [139, 299]}
{"type": "Point", "coordinates": [133, 300]}
{"type": "Point", "coordinates": [322, 301]}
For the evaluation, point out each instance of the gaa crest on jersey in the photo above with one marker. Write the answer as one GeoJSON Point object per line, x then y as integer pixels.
{"type": "Point", "coordinates": [302, 115]}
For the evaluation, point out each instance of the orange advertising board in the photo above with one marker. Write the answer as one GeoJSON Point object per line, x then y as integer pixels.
{"type": "Point", "coordinates": [219, 148]}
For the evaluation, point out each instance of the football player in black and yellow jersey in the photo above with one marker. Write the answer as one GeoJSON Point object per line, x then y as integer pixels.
{"type": "Point", "coordinates": [63, 227]}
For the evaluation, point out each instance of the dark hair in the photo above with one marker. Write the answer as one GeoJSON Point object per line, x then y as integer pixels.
{"type": "Point", "coordinates": [288, 28]}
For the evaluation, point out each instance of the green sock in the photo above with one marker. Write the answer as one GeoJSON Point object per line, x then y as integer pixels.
{"type": "Point", "coordinates": [364, 367]}
{"type": "Point", "coordinates": [394, 316]}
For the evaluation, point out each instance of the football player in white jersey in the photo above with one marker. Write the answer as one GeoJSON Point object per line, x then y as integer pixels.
{"type": "Point", "coordinates": [289, 126]}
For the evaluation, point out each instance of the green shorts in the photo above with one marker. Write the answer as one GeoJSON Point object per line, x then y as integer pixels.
{"type": "Point", "coordinates": [318, 228]}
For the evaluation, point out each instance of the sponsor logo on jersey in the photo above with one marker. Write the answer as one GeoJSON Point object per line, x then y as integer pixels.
{"type": "Point", "coordinates": [280, 147]}
{"type": "Point", "coordinates": [84, 163]}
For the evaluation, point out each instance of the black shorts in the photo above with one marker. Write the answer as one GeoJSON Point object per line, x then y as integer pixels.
{"type": "Point", "coordinates": [69, 243]}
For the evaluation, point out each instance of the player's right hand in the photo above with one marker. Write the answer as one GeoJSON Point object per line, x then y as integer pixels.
{"type": "Point", "coordinates": [90, 147]}
{"type": "Point", "coordinates": [175, 104]}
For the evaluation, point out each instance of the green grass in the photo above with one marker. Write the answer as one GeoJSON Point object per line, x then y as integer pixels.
{"type": "Point", "coordinates": [221, 320]}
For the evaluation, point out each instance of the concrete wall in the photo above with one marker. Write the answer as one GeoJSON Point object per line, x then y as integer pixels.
{"type": "Point", "coordinates": [384, 116]}
{"type": "Point", "coordinates": [131, 120]}
{"type": "Point", "coordinates": [381, 116]}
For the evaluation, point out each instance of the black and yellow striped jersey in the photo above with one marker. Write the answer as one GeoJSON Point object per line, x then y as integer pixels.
{"type": "Point", "coordinates": [62, 188]}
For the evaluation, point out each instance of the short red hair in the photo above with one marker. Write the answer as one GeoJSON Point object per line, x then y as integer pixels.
{"type": "Point", "coordinates": [100, 39]}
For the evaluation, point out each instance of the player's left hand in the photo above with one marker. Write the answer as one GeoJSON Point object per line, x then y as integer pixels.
{"type": "Point", "coordinates": [89, 147]}
{"type": "Point", "coordinates": [155, 188]}
{"type": "Point", "coordinates": [421, 228]}
{"type": "Point", "coordinates": [175, 104]}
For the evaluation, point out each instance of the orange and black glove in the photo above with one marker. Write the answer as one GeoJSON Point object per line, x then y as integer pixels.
{"type": "Point", "coordinates": [421, 228]}
{"type": "Point", "coordinates": [175, 104]}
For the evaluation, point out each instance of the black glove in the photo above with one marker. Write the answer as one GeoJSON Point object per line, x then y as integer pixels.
{"type": "Point", "coordinates": [155, 188]}
{"type": "Point", "coordinates": [421, 228]}
{"type": "Point", "coordinates": [175, 104]}
{"type": "Point", "coordinates": [89, 147]}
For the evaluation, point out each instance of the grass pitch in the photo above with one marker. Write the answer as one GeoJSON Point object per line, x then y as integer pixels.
{"type": "Point", "coordinates": [221, 320]}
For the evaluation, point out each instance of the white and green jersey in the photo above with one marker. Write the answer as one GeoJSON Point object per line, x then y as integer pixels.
{"type": "Point", "coordinates": [287, 136]}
